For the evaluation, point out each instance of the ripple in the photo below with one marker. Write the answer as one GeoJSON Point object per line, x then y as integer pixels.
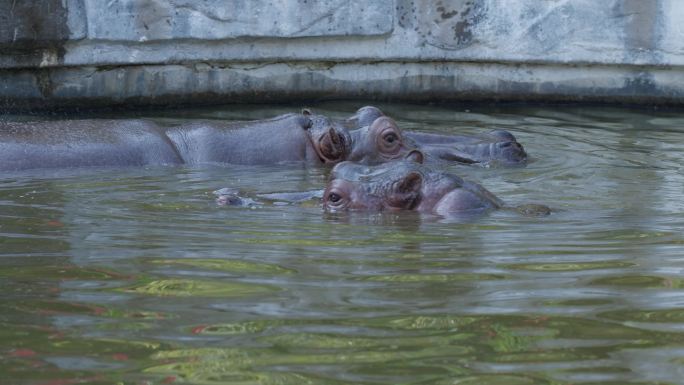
{"type": "Point", "coordinates": [491, 379]}
{"type": "Point", "coordinates": [577, 266]}
{"type": "Point", "coordinates": [59, 272]}
{"type": "Point", "coordinates": [226, 265]}
{"type": "Point", "coordinates": [407, 278]}
{"type": "Point", "coordinates": [666, 315]}
{"type": "Point", "coordinates": [640, 281]}
{"type": "Point", "coordinates": [249, 327]}
{"type": "Point", "coordinates": [197, 288]}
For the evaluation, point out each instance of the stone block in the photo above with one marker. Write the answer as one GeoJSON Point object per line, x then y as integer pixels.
{"type": "Point", "coordinates": [148, 20]}
{"type": "Point", "coordinates": [29, 25]}
{"type": "Point", "coordinates": [25, 24]}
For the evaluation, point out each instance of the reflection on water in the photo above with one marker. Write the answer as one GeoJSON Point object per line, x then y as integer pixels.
{"type": "Point", "coordinates": [137, 276]}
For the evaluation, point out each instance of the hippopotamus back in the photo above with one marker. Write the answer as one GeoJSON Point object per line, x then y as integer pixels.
{"type": "Point", "coordinates": [285, 138]}
{"type": "Point", "coordinates": [83, 143]}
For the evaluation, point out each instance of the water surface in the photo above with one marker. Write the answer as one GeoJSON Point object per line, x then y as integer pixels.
{"type": "Point", "coordinates": [136, 276]}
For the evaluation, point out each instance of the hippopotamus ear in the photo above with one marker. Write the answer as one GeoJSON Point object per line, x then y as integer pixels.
{"type": "Point", "coordinates": [305, 120]}
{"type": "Point", "coordinates": [367, 115]}
{"type": "Point", "coordinates": [415, 156]}
{"type": "Point", "coordinates": [406, 192]}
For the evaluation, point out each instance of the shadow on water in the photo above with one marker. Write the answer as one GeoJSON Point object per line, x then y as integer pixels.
{"type": "Point", "coordinates": [137, 276]}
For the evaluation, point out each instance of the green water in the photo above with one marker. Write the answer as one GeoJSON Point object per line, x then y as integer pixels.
{"type": "Point", "coordinates": [136, 276]}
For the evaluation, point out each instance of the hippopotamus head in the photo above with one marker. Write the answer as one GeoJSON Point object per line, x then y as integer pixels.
{"type": "Point", "coordinates": [354, 186]}
{"type": "Point", "coordinates": [379, 142]}
{"type": "Point", "coordinates": [504, 148]}
{"type": "Point", "coordinates": [331, 141]}
{"type": "Point", "coordinates": [498, 146]}
{"type": "Point", "coordinates": [404, 184]}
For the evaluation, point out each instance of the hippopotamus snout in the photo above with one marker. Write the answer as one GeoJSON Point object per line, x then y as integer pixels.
{"type": "Point", "coordinates": [331, 141]}
{"type": "Point", "coordinates": [510, 151]}
{"type": "Point", "coordinates": [333, 146]}
{"type": "Point", "coordinates": [506, 147]}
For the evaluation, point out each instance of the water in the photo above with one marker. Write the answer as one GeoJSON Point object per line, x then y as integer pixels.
{"type": "Point", "coordinates": [136, 276]}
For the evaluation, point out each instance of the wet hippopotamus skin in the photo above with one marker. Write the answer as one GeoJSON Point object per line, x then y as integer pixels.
{"type": "Point", "coordinates": [306, 137]}
{"type": "Point", "coordinates": [496, 146]}
{"type": "Point", "coordinates": [405, 184]}
{"type": "Point", "coordinates": [378, 142]}
{"type": "Point", "coordinates": [82, 143]}
{"type": "Point", "coordinates": [303, 137]}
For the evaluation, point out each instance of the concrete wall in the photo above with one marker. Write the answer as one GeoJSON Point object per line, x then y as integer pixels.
{"type": "Point", "coordinates": [56, 53]}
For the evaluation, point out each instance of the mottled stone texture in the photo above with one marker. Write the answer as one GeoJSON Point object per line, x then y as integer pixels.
{"type": "Point", "coordinates": [26, 25]}
{"type": "Point", "coordinates": [90, 52]}
{"type": "Point", "coordinates": [145, 20]}
{"type": "Point", "coordinates": [444, 24]}
{"type": "Point", "coordinates": [33, 33]}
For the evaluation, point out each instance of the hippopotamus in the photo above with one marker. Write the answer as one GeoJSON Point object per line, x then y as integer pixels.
{"type": "Point", "coordinates": [408, 184]}
{"type": "Point", "coordinates": [199, 142]}
{"type": "Point", "coordinates": [498, 146]}
{"type": "Point", "coordinates": [313, 139]}
{"type": "Point", "coordinates": [306, 137]}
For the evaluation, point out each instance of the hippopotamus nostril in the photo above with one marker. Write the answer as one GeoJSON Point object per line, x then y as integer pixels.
{"type": "Point", "coordinates": [510, 145]}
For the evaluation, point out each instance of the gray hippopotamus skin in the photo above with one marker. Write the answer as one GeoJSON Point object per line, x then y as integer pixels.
{"type": "Point", "coordinates": [378, 142]}
{"type": "Point", "coordinates": [403, 185]}
{"type": "Point", "coordinates": [82, 143]}
{"type": "Point", "coordinates": [407, 184]}
{"type": "Point", "coordinates": [287, 138]}
{"type": "Point", "coordinates": [306, 137]}
{"type": "Point", "coordinates": [498, 146]}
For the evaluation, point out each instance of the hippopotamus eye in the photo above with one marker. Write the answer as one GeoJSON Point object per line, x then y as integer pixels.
{"type": "Point", "coordinates": [390, 143]}
{"type": "Point", "coordinates": [334, 197]}
{"type": "Point", "coordinates": [391, 138]}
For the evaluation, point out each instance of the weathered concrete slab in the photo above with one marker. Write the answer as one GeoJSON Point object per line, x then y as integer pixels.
{"type": "Point", "coordinates": [256, 82]}
{"type": "Point", "coordinates": [611, 31]}
{"type": "Point", "coordinates": [620, 32]}
{"type": "Point", "coordinates": [33, 33]}
{"type": "Point", "coordinates": [154, 51]}
{"type": "Point", "coordinates": [25, 25]}
{"type": "Point", "coordinates": [145, 20]}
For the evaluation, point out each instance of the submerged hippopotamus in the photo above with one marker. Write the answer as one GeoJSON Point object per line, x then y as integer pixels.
{"type": "Point", "coordinates": [498, 146]}
{"type": "Point", "coordinates": [380, 141]}
{"type": "Point", "coordinates": [407, 184]}
{"type": "Point", "coordinates": [304, 137]}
